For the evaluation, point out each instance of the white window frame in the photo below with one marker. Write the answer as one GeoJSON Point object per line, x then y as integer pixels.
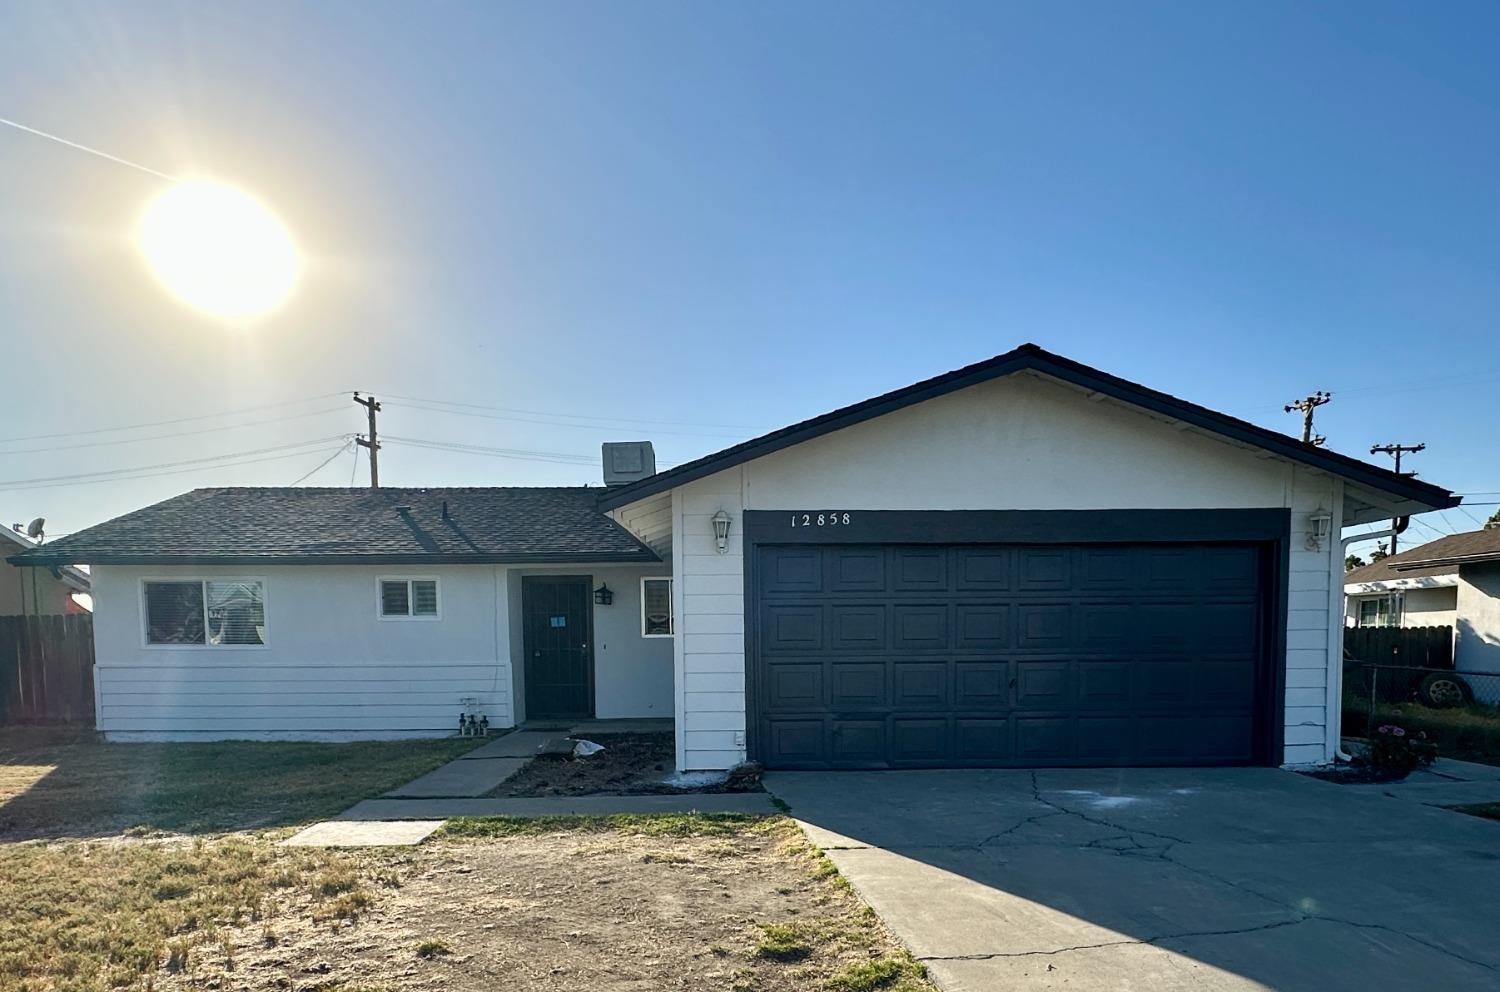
{"type": "Point", "coordinates": [671, 605]}
{"type": "Point", "coordinates": [1384, 613]}
{"type": "Point", "coordinates": [380, 613]}
{"type": "Point", "coordinates": [265, 597]}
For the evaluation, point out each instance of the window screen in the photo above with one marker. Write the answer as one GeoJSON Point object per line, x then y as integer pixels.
{"type": "Point", "coordinates": [174, 613]}
{"type": "Point", "coordinates": [236, 612]}
{"type": "Point", "coordinates": [423, 598]}
{"type": "Point", "coordinates": [394, 599]}
{"type": "Point", "coordinates": [656, 607]}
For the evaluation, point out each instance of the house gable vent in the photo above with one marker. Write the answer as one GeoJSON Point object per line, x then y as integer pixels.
{"type": "Point", "coordinates": [628, 461]}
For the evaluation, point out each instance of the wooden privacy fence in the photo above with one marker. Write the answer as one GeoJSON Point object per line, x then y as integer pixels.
{"type": "Point", "coordinates": [47, 669]}
{"type": "Point", "coordinates": [1414, 647]}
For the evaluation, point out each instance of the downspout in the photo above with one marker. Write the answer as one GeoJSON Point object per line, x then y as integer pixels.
{"type": "Point", "coordinates": [1336, 691]}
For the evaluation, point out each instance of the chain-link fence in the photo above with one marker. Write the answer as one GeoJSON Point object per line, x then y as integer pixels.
{"type": "Point", "coordinates": [1457, 710]}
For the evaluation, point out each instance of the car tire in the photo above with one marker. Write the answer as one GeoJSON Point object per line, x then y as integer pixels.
{"type": "Point", "coordinates": [1443, 690]}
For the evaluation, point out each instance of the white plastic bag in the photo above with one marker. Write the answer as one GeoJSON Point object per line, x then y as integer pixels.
{"type": "Point", "coordinates": [586, 749]}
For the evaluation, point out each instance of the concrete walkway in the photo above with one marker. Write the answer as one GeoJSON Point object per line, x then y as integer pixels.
{"type": "Point", "coordinates": [1170, 880]}
{"type": "Point", "coordinates": [1446, 783]}
{"type": "Point", "coordinates": [690, 802]}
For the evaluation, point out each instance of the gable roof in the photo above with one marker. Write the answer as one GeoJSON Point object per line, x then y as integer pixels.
{"type": "Point", "coordinates": [1449, 552]}
{"type": "Point", "coordinates": [1389, 569]}
{"type": "Point", "coordinates": [1030, 357]}
{"type": "Point", "coordinates": [243, 525]}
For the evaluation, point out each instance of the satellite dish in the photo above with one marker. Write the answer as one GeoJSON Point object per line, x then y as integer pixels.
{"type": "Point", "coordinates": [34, 529]}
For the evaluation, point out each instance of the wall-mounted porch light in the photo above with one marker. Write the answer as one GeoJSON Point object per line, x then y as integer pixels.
{"type": "Point", "coordinates": [1319, 522]}
{"type": "Point", "coordinates": [604, 595]}
{"type": "Point", "coordinates": [721, 531]}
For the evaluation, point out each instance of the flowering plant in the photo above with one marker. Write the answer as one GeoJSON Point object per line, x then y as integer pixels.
{"type": "Point", "coordinates": [1395, 750]}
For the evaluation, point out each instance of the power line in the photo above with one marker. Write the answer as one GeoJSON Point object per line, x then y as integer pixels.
{"type": "Point", "coordinates": [477, 449]}
{"type": "Point", "coordinates": [92, 151]}
{"type": "Point", "coordinates": [571, 416]}
{"type": "Point", "coordinates": [110, 473]}
{"type": "Point", "coordinates": [175, 420]}
{"type": "Point", "coordinates": [337, 451]}
{"type": "Point", "coordinates": [175, 434]}
{"type": "Point", "coordinates": [154, 475]}
{"type": "Point", "coordinates": [598, 426]}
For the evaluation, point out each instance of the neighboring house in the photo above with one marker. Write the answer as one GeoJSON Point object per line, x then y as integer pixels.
{"type": "Point", "coordinates": [30, 590]}
{"type": "Point", "coordinates": [1380, 595]}
{"type": "Point", "coordinates": [1474, 560]}
{"type": "Point", "coordinates": [1025, 562]}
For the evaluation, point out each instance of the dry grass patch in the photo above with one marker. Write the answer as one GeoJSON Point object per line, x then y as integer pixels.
{"type": "Point", "coordinates": [63, 783]}
{"type": "Point", "coordinates": [87, 917]}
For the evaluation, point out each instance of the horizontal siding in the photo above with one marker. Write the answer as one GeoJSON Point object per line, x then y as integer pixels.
{"type": "Point", "coordinates": [1314, 696]}
{"type": "Point", "coordinates": [712, 760]}
{"type": "Point", "coordinates": [353, 721]}
{"type": "Point", "coordinates": [714, 623]}
{"type": "Point", "coordinates": [700, 681]}
{"type": "Point", "coordinates": [330, 699]}
{"type": "Point", "coordinates": [1303, 754]}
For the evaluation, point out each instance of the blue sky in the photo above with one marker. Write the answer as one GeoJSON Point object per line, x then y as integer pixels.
{"type": "Point", "coordinates": [692, 222]}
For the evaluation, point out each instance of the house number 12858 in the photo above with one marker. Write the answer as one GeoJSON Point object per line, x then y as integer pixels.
{"type": "Point", "coordinates": [820, 519]}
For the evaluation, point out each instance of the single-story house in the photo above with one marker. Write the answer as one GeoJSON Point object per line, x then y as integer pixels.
{"type": "Point", "coordinates": [1453, 580]}
{"type": "Point", "coordinates": [1024, 562]}
{"type": "Point", "coordinates": [39, 590]}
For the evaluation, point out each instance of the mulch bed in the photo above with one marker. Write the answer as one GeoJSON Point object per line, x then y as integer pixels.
{"type": "Point", "coordinates": [630, 764]}
{"type": "Point", "coordinates": [1356, 775]}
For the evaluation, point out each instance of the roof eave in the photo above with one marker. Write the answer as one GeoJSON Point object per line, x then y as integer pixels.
{"type": "Point", "coordinates": [1031, 357]}
{"type": "Point", "coordinates": [1454, 560]}
{"type": "Point", "coordinates": [642, 556]}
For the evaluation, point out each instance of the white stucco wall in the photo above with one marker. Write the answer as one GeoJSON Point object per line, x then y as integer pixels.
{"type": "Point", "coordinates": [1418, 607]}
{"type": "Point", "coordinates": [1023, 442]}
{"type": "Point", "coordinates": [1477, 644]}
{"type": "Point", "coordinates": [333, 669]}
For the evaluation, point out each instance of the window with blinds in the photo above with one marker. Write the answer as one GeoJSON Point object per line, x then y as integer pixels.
{"type": "Point", "coordinates": [656, 607]}
{"type": "Point", "coordinates": [409, 599]}
{"type": "Point", "coordinates": [206, 612]}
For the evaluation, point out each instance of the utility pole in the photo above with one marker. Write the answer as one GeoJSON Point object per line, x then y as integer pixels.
{"type": "Point", "coordinates": [1396, 450]}
{"type": "Point", "coordinates": [372, 441]}
{"type": "Point", "coordinates": [1307, 405]}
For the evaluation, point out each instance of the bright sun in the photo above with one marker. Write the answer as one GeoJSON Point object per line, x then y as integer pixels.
{"type": "Point", "coordinates": [218, 249]}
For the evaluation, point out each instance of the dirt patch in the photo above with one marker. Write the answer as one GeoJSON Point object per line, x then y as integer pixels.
{"type": "Point", "coordinates": [1356, 775]}
{"type": "Point", "coordinates": [630, 764]}
{"type": "Point", "coordinates": [747, 907]}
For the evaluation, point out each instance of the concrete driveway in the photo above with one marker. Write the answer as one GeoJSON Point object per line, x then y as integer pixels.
{"type": "Point", "coordinates": [1162, 879]}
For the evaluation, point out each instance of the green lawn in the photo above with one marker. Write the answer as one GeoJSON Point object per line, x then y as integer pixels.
{"type": "Point", "coordinates": [65, 783]}
{"type": "Point", "coordinates": [1468, 733]}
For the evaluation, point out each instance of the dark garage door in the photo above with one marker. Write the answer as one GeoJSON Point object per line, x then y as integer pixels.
{"type": "Point", "coordinates": [995, 656]}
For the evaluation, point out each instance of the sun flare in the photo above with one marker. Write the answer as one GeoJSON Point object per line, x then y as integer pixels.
{"type": "Point", "coordinates": [218, 249]}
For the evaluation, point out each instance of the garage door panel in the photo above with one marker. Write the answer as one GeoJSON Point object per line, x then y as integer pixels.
{"type": "Point", "coordinates": [1043, 569]}
{"type": "Point", "coordinates": [986, 656]}
{"type": "Point", "coordinates": [982, 626]}
{"type": "Point", "coordinates": [920, 627]}
{"type": "Point", "coordinates": [1103, 685]}
{"type": "Point", "coordinates": [981, 741]}
{"type": "Point", "coordinates": [920, 685]}
{"type": "Point", "coordinates": [981, 685]}
{"type": "Point", "coordinates": [857, 685]}
{"type": "Point", "coordinates": [860, 743]}
{"type": "Point", "coordinates": [1104, 628]}
{"type": "Point", "coordinates": [857, 627]}
{"type": "Point", "coordinates": [797, 743]}
{"type": "Point", "coordinates": [790, 570]}
{"type": "Point", "coordinates": [792, 629]}
{"type": "Point", "coordinates": [981, 569]}
{"type": "Point", "coordinates": [856, 570]}
{"type": "Point", "coordinates": [1104, 739]}
{"type": "Point", "coordinates": [794, 687]}
{"type": "Point", "coordinates": [1044, 685]}
{"type": "Point", "coordinates": [1044, 627]}
{"type": "Point", "coordinates": [920, 570]}
{"type": "Point", "coordinates": [1043, 739]}
{"type": "Point", "coordinates": [920, 740]}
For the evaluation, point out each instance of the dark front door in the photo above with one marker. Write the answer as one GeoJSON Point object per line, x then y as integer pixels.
{"type": "Point", "coordinates": [558, 642]}
{"type": "Point", "coordinates": [1010, 655]}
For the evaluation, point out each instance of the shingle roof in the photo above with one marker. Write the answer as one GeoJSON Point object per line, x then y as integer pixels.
{"type": "Point", "coordinates": [1384, 570]}
{"type": "Point", "coordinates": [313, 525]}
{"type": "Point", "coordinates": [1030, 357]}
{"type": "Point", "coordinates": [1474, 545]}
